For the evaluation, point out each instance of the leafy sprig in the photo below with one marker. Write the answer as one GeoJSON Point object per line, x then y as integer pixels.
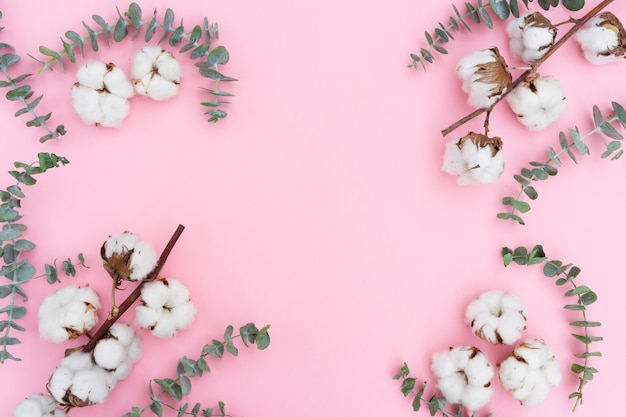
{"type": "Point", "coordinates": [583, 297]}
{"type": "Point", "coordinates": [570, 144]}
{"type": "Point", "coordinates": [479, 13]}
{"type": "Point", "coordinates": [21, 92]}
{"type": "Point", "coordinates": [180, 386]}
{"type": "Point", "coordinates": [12, 245]}
{"type": "Point", "coordinates": [435, 403]}
{"type": "Point", "coordinates": [197, 43]}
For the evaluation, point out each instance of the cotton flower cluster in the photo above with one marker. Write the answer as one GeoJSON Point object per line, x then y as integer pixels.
{"type": "Point", "coordinates": [125, 257]}
{"type": "Point", "coordinates": [100, 95]}
{"type": "Point", "coordinates": [118, 350]}
{"type": "Point", "coordinates": [475, 158]}
{"type": "Point", "coordinates": [464, 376]}
{"type": "Point", "coordinates": [538, 102]}
{"type": "Point", "coordinates": [68, 313]}
{"type": "Point", "coordinates": [530, 372]}
{"type": "Point", "coordinates": [38, 405]}
{"type": "Point", "coordinates": [165, 307]}
{"type": "Point", "coordinates": [102, 91]}
{"type": "Point", "coordinates": [497, 317]}
{"type": "Point", "coordinates": [531, 36]}
{"type": "Point", "coordinates": [602, 39]}
{"type": "Point", "coordinates": [156, 73]}
{"type": "Point", "coordinates": [485, 77]}
{"type": "Point", "coordinates": [79, 382]}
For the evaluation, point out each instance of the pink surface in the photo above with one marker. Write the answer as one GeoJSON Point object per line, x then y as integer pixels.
{"type": "Point", "coordinates": [318, 206]}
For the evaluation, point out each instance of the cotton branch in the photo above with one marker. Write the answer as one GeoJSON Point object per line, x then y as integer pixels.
{"type": "Point", "coordinates": [136, 292]}
{"type": "Point", "coordinates": [575, 28]}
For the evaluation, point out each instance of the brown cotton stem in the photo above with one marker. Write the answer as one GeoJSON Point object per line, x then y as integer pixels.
{"type": "Point", "coordinates": [575, 28]}
{"type": "Point", "coordinates": [104, 328]}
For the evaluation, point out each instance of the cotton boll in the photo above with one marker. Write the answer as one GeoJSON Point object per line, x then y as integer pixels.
{"type": "Point", "coordinates": [38, 405]}
{"type": "Point", "coordinates": [178, 293]}
{"type": "Point", "coordinates": [184, 314]}
{"type": "Point", "coordinates": [538, 102]}
{"type": "Point", "coordinates": [602, 39]}
{"type": "Point", "coordinates": [100, 96]}
{"type": "Point", "coordinates": [463, 375]}
{"type": "Point", "coordinates": [531, 36]}
{"type": "Point", "coordinates": [123, 332]}
{"type": "Point", "coordinates": [92, 385]}
{"type": "Point", "coordinates": [143, 260]}
{"type": "Point", "coordinates": [68, 313]}
{"type": "Point", "coordinates": [477, 159]}
{"type": "Point", "coordinates": [497, 317]}
{"type": "Point", "coordinates": [530, 372]}
{"type": "Point", "coordinates": [165, 307]}
{"type": "Point", "coordinates": [484, 76]}
{"type": "Point", "coordinates": [156, 73]}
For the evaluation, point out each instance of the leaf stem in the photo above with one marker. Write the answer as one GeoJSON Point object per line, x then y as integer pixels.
{"type": "Point", "coordinates": [575, 28]}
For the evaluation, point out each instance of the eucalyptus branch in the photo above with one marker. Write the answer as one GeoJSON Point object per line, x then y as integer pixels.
{"type": "Point", "coordinates": [435, 403]}
{"type": "Point", "coordinates": [502, 9]}
{"type": "Point", "coordinates": [533, 68]}
{"type": "Point", "coordinates": [20, 92]}
{"type": "Point", "coordinates": [128, 302]}
{"type": "Point", "coordinates": [197, 43]}
{"type": "Point", "coordinates": [12, 245]}
{"type": "Point", "coordinates": [179, 387]}
{"type": "Point", "coordinates": [541, 171]}
{"type": "Point", "coordinates": [565, 274]}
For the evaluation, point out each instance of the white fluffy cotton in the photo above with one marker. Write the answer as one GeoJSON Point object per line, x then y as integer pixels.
{"type": "Point", "coordinates": [68, 313]}
{"type": "Point", "coordinates": [165, 307]}
{"type": "Point", "coordinates": [538, 102]}
{"type": "Point", "coordinates": [126, 257]}
{"type": "Point", "coordinates": [156, 73]}
{"type": "Point", "coordinates": [485, 77]}
{"type": "Point", "coordinates": [530, 372]}
{"type": "Point", "coordinates": [530, 36]}
{"type": "Point", "coordinates": [602, 39]}
{"type": "Point", "coordinates": [38, 405]}
{"type": "Point", "coordinates": [464, 376]}
{"type": "Point", "coordinates": [475, 158]}
{"type": "Point", "coordinates": [100, 95]}
{"type": "Point", "coordinates": [118, 351]}
{"type": "Point", "coordinates": [79, 382]}
{"type": "Point", "coordinates": [497, 317]}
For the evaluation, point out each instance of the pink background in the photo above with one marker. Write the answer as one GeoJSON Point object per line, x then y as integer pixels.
{"type": "Point", "coordinates": [318, 206]}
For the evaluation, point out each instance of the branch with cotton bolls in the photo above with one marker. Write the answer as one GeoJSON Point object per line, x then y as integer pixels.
{"type": "Point", "coordinates": [536, 100]}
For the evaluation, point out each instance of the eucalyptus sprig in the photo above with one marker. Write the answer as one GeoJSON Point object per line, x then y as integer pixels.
{"type": "Point", "coordinates": [21, 92]}
{"type": "Point", "coordinates": [197, 42]}
{"type": "Point", "coordinates": [179, 387]}
{"type": "Point", "coordinates": [480, 13]}
{"type": "Point", "coordinates": [570, 144]}
{"type": "Point", "coordinates": [435, 403]}
{"type": "Point", "coordinates": [583, 297]}
{"type": "Point", "coordinates": [12, 245]}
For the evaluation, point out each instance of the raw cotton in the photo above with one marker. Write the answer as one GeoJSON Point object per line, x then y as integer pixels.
{"type": "Point", "coordinates": [100, 94]}
{"type": "Point", "coordinates": [118, 350]}
{"type": "Point", "coordinates": [125, 257]}
{"type": "Point", "coordinates": [78, 382]}
{"type": "Point", "coordinates": [464, 376]}
{"type": "Point", "coordinates": [531, 36]}
{"type": "Point", "coordinates": [475, 158]}
{"type": "Point", "coordinates": [68, 313]}
{"type": "Point", "coordinates": [530, 372]}
{"type": "Point", "coordinates": [165, 307]}
{"type": "Point", "coordinates": [602, 39]}
{"type": "Point", "coordinates": [497, 317]}
{"type": "Point", "coordinates": [538, 102]}
{"type": "Point", "coordinates": [156, 73]}
{"type": "Point", "coordinates": [485, 77]}
{"type": "Point", "coordinates": [38, 405]}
